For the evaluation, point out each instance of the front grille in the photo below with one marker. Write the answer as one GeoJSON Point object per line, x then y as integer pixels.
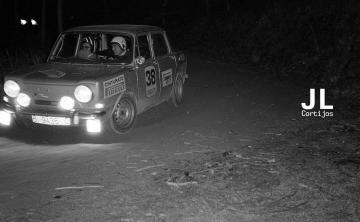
{"type": "Point", "coordinates": [40, 112]}
{"type": "Point", "coordinates": [45, 103]}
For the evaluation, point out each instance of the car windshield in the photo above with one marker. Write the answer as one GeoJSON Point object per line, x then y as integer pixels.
{"type": "Point", "coordinates": [94, 47]}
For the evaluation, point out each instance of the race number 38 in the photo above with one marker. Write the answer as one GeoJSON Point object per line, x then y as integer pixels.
{"type": "Point", "coordinates": [150, 81]}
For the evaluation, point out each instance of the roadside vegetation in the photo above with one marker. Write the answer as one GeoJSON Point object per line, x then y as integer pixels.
{"type": "Point", "coordinates": [318, 43]}
{"type": "Point", "coordinates": [11, 59]}
{"type": "Point", "coordinates": [15, 58]}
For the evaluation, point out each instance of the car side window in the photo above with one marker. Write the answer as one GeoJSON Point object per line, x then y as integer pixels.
{"type": "Point", "coordinates": [159, 44]}
{"type": "Point", "coordinates": [144, 47]}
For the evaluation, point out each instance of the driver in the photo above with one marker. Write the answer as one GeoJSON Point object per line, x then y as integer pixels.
{"type": "Point", "coordinates": [86, 48]}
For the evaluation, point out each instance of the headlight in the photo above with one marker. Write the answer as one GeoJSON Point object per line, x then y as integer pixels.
{"type": "Point", "coordinates": [83, 94]}
{"type": "Point", "coordinates": [23, 100]}
{"type": "Point", "coordinates": [67, 103]}
{"type": "Point", "coordinates": [11, 88]}
{"type": "Point", "coordinates": [5, 118]}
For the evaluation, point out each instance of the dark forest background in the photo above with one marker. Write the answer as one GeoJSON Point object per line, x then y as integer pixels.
{"type": "Point", "coordinates": [317, 42]}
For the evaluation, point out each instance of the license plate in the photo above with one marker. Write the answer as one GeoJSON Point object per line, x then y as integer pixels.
{"type": "Point", "coordinates": [51, 120]}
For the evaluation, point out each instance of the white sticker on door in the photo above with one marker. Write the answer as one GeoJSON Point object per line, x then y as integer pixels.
{"type": "Point", "coordinates": [114, 86]}
{"type": "Point", "coordinates": [166, 77]}
{"type": "Point", "coordinates": [150, 81]}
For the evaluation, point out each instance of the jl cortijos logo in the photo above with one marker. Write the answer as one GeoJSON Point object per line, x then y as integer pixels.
{"type": "Point", "coordinates": [324, 111]}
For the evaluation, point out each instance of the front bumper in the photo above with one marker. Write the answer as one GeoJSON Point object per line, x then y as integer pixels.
{"type": "Point", "coordinates": [75, 118]}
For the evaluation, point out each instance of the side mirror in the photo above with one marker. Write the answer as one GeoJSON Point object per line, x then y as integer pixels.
{"type": "Point", "coordinates": [181, 57]}
{"type": "Point", "coordinates": [140, 60]}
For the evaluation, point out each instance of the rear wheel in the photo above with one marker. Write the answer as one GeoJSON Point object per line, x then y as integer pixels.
{"type": "Point", "coordinates": [177, 93]}
{"type": "Point", "coordinates": [123, 116]}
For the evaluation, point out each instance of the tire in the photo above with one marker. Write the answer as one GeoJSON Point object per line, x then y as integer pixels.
{"type": "Point", "coordinates": [177, 94]}
{"type": "Point", "coordinates": [123, 116]}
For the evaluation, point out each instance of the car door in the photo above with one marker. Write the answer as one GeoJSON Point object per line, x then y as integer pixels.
{"type": "Point", "coordinates": [148, 74]}
{"type": "Point", "coordinates": [165, 62]}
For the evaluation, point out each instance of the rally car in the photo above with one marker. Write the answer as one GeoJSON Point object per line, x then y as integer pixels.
{"type": "Point", "coordinates": [96, 77]}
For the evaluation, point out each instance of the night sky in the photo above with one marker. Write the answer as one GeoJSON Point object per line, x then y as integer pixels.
{"type": "Point", "coordinates": [86, 12]}
{"type": "Point", "coordinates": [165, 13]}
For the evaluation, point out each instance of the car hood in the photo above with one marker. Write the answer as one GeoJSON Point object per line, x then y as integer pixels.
{"type": "Point", "coordinates": [64, 73]}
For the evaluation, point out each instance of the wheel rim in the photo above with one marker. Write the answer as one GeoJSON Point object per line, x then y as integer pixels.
{"type": "Point", "coordinates": [179, 90]}
{"type": "Point", "coordinates": [124, 114]}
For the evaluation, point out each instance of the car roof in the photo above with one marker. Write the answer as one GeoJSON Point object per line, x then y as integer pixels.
{"type": "Point", "coordinates": [116, 28]}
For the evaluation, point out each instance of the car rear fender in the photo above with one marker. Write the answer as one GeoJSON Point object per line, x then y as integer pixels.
{"type": "Point", "coordinates": [181, 68]}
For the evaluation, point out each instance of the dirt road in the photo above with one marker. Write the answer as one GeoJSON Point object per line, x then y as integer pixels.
{"type": "Point", "coordinates": [234, 151]}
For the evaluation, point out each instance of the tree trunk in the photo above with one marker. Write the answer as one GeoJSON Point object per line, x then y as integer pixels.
{"type": "Point", "coordinates": [207, 8]}
{"type": "Point", "coordinates": [16, 15]}
{"type": "Point", "coordinates": [43, 23]}
{"type": "Point", "coordinates": [163, 12]}
{"type": "Point", "coordinates": [107, 10]}
{"type": "Point", "coordinates": [228, 5]}
{"type": "Point", "coordinates": [60, 15]}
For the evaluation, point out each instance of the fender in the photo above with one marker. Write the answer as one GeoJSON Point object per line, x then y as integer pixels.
{"type": "Point", "coordinates": [182, 72]}
{"type": "Point", "coordinates": [177, 75]}
{"type": "Point", "coordinates": [181, 75]}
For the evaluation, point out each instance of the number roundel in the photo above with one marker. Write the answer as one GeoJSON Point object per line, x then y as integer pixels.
{"type": "Point", "coordinates": [150, 77]}
{"type": "Point", "coordinates": [150, 81]}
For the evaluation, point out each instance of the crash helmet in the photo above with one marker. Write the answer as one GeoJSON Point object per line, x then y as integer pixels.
{"type": "Point", "coordinates": [89, 40]}
{"type": "Point", "coordinates": [120, 41]}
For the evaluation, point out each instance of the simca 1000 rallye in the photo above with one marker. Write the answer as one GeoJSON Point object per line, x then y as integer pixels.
{"type": "Point", "coordinates": [96, 77]}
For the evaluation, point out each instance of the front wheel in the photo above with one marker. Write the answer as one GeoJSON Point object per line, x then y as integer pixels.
{"type": "Point", "coordinates": [177, 93]}
{"type": "Point", "coordinates": [123, 116]}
